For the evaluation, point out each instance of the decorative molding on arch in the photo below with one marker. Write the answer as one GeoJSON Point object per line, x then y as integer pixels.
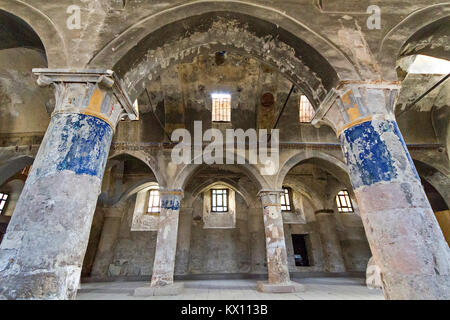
{"type": "Point", "coordinates": [397, 37]}
{"type": "Point", "coordinates": [45, 28]}
{"type": "Point", "coordinates": [117, 48]}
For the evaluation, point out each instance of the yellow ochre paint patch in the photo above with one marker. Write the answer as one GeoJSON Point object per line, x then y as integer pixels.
{"type": "Point", "coordinates": [353, 113]}
{"type": "Point", "coordinates": [95, 104]}
{"type": "Point", "coordinates": [351, 109]}
{"type": "Point", "coordinates": [96, 101]}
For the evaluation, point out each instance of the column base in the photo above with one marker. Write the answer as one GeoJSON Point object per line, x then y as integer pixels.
{"type": "Point", "coordinates": [168, 290]}
{"type": "Point", "coordinates": [288, 287]}
{"type": "Point", "coordinates": [416, 287]}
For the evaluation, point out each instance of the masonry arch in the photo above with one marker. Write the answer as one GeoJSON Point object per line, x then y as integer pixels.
{"type": "Point", "coordinates": [37, 24]}
{"type": "Point", "coordinates": [150, 44]}
{"type": "Point", "coordinates": [414, 27]}
{"type": "Point", "coordinates": [13, 166]}
{"type": "Point", "coordinates": [146, 158]}
{"type": "Point", "coordinates": [332, 163]}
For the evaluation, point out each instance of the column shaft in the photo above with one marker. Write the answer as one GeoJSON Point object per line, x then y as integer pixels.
{"type": "Point", "coordinates": [106, 245]}
{"type": "Point", "coordinates": [334, 259]}
{"type": "Point", "coordinates": [405, 238]}
{"type": "Point", "coordinates": [42, 253]}
{"type": "Point", "coordinates": [278, 271]}
{"type": "Point", "coordinates": [166, 241]}
{"type": "Point", "coordinates": [43, 250]}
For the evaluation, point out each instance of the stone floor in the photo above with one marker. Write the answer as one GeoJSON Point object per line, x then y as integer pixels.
{"type": "Point", "coordinates": [315, 289]}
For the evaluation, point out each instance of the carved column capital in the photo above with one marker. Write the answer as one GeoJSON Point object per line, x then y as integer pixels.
{"type": "Point", "coordinates": [354, 102]}
{"type": "Point", "coordinates": [95, 92]}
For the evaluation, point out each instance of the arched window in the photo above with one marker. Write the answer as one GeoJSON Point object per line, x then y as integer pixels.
{"type": "Point", "coordinates": [344, 204]}
{"type": "Point", "coordinates": [306, 110]}
{"type": "Point", "coordinates": [221, 107]}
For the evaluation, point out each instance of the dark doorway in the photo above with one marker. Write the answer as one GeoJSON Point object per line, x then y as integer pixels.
{"type": "Point", "coordinates": [300, 252]}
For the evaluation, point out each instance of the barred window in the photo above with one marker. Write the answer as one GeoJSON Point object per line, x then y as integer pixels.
{"type": "Point", "coordinates": [219, 200]}
{"type": "Point", "coordinates": [221, 107]}
{"type": "Point", "coordinates": [286, 200]}
{"type": "Point", "coordinates": [344, 204]}
{"type": "Point", "coordinates": [153, 204]}
{"type": "Point", "coordinates": [306, 110]}
{"type": "Point", "coordinates": [26, 170]}
{"type": "Point", "coordinates": [3, 199]}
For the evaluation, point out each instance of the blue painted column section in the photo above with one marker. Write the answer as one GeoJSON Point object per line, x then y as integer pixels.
{"type": "Point", "coordinates": [42, 253]}
{"type": "Point", "coordinates": [166, 240]}
{"type": "Point", "coordinates": [404, 236]}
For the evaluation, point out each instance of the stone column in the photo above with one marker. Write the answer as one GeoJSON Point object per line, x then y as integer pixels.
{"type": "Point", "coordinates": [183, 241]}
{"type": "Point", "coordinates": [404, 236]}
{"type": "Point", "coordinates": [257, 240]}
{"type": "Point", "coordinates": [43, 250]}
{"type": "Point", "coordinates": [105, 250]}
{"type": "Point", "coordinates": [166, 247]}
{"type": "Point", "coordinates": [277, 265]}
{"type": "Point", "coordinates": [331, 245]}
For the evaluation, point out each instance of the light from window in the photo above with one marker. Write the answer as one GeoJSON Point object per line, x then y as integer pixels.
{"type": "Point", "coordinates": [221, 107]}
{"type": "Point", "coordinates": [344, 204]}
{"type": "Point", "coordinates": [285, 200]}
{"type": "Point", "coordinates": [219, 200]}
{"type": "Point", "coordinates": [306, 110]}
{"type": "Point", "coordinates": [429, 65]}
{"type": "Point", "coordinates": [3, 198]}
{"type": "Point", "coordinates": [153, 202]}
{"type": "Point", "coordinates": [26, 170]}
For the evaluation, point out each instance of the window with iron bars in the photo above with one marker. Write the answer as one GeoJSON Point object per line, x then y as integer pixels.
{"type": "Point", "coordinates": [153, 204]}
{"type": "Point", "coordinates": [306, 110]}
{"type": "Point", "coordinates": [286, 200]}
{"type": "Point", "coordinates": [344, 204]}
{"type": "Point", "coordinates": [219, 200]}
{"type": "Point", "coordinates": [221, 107]}
{"type": "Point", "coordinates": [3, 200]}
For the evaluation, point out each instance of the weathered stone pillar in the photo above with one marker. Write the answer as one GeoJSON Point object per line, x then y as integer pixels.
{"type": "Point", "coordinates": [107, 243]}
{"type": "Point", "coordinates": [166, 247]}
{"type": "Point", "coordinates": [257, 240]}
{"type": "Point", "coordinates": [404, 236]}
{"type": "Point", "coordinates": [166, 241]}
{"type": "Point", "coordinates": [277, 265]}
{"type": "Point", "coordinates": [331, 245]}
{"type": "Point", "coordinates": [43, 250]}
{"type": "Point", "coordinates": [183, 241]}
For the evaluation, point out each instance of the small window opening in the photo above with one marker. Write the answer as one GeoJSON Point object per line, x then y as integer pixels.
{"type": "Point", "coordinates": [153, 205]}
{"type": "Point", "coordinates": [344, 204]}
{"type": "Point", "coordinates": [26, 171]}
{"type": "Point", "coordinates": [286, 200]}
{"type": "Point", "coordinates": [300, 251]}
{"type": "Point", "coordinates": [423, 64]}
{"type": "Point", "coordinates": [221, 107]}
{"type": "Point", "coordinates": [219, 200]}
{"type": "Point", "coordinates": [3, 199]}
{"type": "Point", "coordinates": [306, 110]}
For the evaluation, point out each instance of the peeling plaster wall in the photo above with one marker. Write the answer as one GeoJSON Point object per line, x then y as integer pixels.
{"type": "Point", "coordinates": [23, 116]}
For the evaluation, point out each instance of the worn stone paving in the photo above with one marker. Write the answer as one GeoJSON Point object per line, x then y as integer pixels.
{"type": "Point", "coordinates": [315, 289]}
